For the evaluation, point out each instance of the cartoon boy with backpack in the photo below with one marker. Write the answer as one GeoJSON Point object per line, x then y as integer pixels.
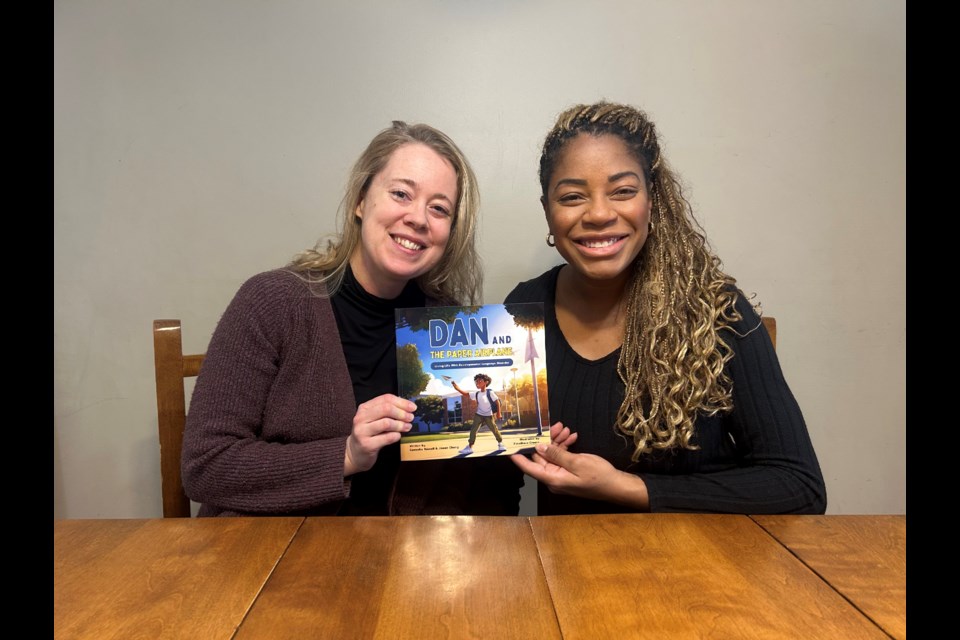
{"type": "Point", "coordinates": [488, 405]}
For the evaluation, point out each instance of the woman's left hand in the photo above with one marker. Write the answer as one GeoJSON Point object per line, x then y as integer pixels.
{"type": "Point", "coordinates": [584, 475]}
{"type": "Point", "coordinates": [561, 435]}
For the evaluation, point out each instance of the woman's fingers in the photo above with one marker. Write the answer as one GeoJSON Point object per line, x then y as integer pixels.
{"type": "Point", "coordinates": [555, 430]}
{"type": "Point", "coordinates": [562, 436]}
{"type": "Point", "coordinates": [530, 467]}
{"type": "Point", "coordinates": [567, 441]}
{"type": "Point", "coordinates": [386, 406]}
{"type": "Point", "coordinates": [378, 422]}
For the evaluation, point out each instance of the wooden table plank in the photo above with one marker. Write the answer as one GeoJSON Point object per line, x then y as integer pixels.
{"type": "Point", "coordinates": [170, 578]}
{"type": "Point", "coordinates": [407, 577]}
{"type": "Point", "coordinates": [862, 557]}
{"type": "Point", "coordinates": [685, 576]}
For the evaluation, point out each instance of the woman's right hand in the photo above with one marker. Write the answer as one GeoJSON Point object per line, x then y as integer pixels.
{"type": "Point", "coordinates": [378, 422]}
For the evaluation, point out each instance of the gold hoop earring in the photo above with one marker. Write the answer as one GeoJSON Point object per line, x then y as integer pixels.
{"type": "Point", "coordinates": [551, 241]}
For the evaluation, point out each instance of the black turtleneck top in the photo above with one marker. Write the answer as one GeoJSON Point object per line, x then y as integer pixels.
{"type": "Point", "coordinates": [367, 332]}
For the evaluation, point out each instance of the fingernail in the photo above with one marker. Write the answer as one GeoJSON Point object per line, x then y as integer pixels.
{"type": "Point", "coordinates": [541, 448]}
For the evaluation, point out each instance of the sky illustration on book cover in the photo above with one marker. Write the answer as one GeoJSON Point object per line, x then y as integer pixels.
{"type": "Point", "coordinates": [479, 377]}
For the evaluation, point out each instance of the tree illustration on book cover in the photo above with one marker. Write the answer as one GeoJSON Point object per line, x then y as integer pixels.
{"type": "Point", "coordinates": [479, 377]}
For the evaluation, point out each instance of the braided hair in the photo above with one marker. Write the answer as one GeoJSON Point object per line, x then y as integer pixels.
{"type": "Point", "coordinates": [678, 298]}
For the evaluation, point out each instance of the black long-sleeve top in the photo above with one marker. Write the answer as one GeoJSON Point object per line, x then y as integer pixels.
{"type": "Point", "coordinates": [755, 459]}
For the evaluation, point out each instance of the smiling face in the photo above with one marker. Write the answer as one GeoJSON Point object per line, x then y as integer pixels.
{"type": "Point", "coordinates": [598, 207]}
{"type": "Point", "coordinates": [406, 213]}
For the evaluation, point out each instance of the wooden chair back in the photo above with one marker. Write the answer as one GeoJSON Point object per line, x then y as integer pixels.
{"type": "Point", "coordinates": [173, 367]}
{"type": "Point", "coordinates": [771, 325]}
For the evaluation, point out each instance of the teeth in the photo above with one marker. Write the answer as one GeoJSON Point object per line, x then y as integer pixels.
{"type": "Point", "coordinates": [599, 244]}
{"type": "Point", "coordinates": [407, 244]}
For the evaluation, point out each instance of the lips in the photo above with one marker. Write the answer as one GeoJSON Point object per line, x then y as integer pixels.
{"type": "Point", "coordinates": [408, 244]}
{"type": "Point", "coordinates": [599, 243]}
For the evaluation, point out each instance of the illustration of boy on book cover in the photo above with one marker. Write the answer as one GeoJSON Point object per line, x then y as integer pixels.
{"type": "Point", "coordinates": [478, 375]}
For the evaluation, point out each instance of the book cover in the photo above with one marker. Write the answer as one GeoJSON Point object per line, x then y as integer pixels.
{"type": "Point", "coordinates": [479, 377]}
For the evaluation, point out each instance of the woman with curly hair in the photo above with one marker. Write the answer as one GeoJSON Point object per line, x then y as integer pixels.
{"type": "Point", "coordinates": [666, 389]}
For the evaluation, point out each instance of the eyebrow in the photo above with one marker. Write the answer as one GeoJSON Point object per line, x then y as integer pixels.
{"type": "Point", "coordinates": [623, 174]}
{"type": "Point", "coordinates": [413, 185]}
{"type": "Point", "coordinates": [582, 183]}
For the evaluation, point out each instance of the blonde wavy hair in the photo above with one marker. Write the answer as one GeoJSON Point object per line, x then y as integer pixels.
{"type": "Point", "coordinates": [678, 299]}
{"type": "Point", "coordinates": [458, 276]}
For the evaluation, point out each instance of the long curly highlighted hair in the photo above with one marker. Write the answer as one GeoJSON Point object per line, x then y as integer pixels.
{"type": "Point", "coordinates": [678, 299]}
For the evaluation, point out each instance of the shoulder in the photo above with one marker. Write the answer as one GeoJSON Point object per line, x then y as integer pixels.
{"type": "Point", "coordinates": [278, 284]}
{"type": "Point", "coordinates": [273, 299]}
{"type": "Point", "coordinates": [538, 289]}
{"type": "Point", "coordinates": [270, 291]}
{"type": "Point", "coordinates": [746, 333]}
{"type": "Point", "coordinates": [749, 318]}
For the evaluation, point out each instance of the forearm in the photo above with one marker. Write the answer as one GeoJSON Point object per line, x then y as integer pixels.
{"type": "Point", "coordinates": [228, 462]}
{"type": "Point", "coordinates": [349, 466]}
{"type": "Point", "coordinates": [754, 490]}
{"type": "Point", "coordinates": [261, 477]}
{"type": "Point", "coordinates": [627, 490]}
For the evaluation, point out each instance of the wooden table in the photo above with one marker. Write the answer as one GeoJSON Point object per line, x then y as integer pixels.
{"type": "Point", "coordinates": [668, 576]}
{"type": "Point", "coordinates": [622, 576]}
{"type": "Point", "coordinates": [407, 577]}
{"type": "Point", "coordinates": [863, 557]}
{"type": "Point", "coordinates": [161, 578]}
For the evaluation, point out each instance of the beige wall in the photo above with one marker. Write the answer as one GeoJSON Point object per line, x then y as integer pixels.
{"type": "Point", "coordinates": [198, 142]}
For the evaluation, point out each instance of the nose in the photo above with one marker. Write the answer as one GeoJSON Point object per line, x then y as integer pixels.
{"type": "Point", "coordinates": [416, 216]}
{"type": "Point", "coordinates": [599, 213]}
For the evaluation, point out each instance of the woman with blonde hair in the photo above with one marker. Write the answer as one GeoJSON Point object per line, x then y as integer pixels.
{"type": "Point", "coordinates": [295, 409]}
{"type": "Point", "coordinates": [666, 389]}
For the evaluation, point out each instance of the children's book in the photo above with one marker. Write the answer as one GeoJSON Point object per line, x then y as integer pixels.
{"type": "Point", "coordinates": [478, 375]}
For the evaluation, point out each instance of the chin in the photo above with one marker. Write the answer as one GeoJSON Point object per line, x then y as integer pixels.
{"type": "Point", "coordinates": [601, 272]}
{"type": "Point", "coordinates": [411, 271]}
